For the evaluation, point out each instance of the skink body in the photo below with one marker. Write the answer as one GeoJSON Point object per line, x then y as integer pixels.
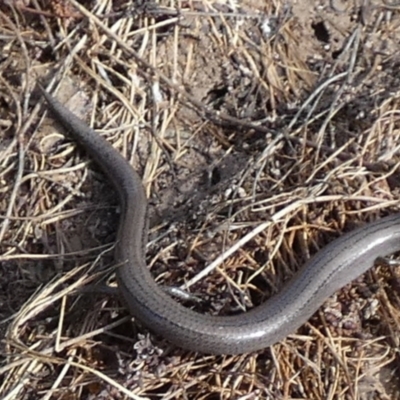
{"type": "Point", "coordinates": [334, 266]}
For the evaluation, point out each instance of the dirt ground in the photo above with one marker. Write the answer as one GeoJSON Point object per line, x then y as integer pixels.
{"type": "Point", "coordinates": [262, 130]}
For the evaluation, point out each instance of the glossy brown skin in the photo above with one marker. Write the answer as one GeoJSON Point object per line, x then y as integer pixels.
{"type": "Point", "coordinates": [330, 269]}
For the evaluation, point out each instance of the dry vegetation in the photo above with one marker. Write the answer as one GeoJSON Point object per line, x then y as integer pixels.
{"type": "Point", "coordinates": [262, 130]}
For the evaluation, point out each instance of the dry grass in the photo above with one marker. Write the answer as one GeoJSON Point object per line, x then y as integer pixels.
{"type": "Point", "coordinates": [255, 152]}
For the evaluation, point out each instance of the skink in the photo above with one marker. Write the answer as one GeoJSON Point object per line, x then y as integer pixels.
{"type": "Point", "coordinates": [331, 268]}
